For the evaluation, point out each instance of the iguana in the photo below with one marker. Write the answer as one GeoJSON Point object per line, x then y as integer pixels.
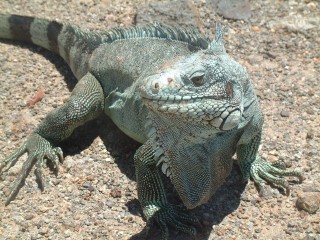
{"type": "Point", "coordinates": [189, 104]}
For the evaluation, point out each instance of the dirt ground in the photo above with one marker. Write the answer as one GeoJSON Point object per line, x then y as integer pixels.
{"type": "Point", "coordinates": [94, 196]}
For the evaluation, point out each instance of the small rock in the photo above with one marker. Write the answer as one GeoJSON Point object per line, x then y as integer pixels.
{"type": "Point", "coordinates": [310, 111]}
{"type": "Point", "coordinates": [311, 92]}
{"type": "Point", "coordinates": [43, 209]}
{"type": "Point", "coordinates": [29, 216]}
{"type": "Point", "coordinates": [273, 152]}
{"type": "Point", "coordinates": [291, 224]}
{"type": "Point", "coordinates": [303, 214]}
{"type": "Point", "coordinates": [310, 135]}
{"type": "Point", "coordinates": [110, 204]}
{"type": "Point", "coordinates": [6, 191]}
{"type": "Point", "coordinates": [107, 216]}
{"type": "Point", "coordinates": [255, 29]}
{"type": "Point", "coordinates": [127, 193]}
{"type": "Point", "coordinates": [309, 202]}
{"type": "Point", "coordinates": [235, 9]}
{"type": "Point", "coordinates": [115, 193]}
{"type": "Point", "coordinates": [284, 113]}
{"type": "Point", "coordinates": [288, 231]}
{"type": "Point", "coordinates": [257, 230]}
{"type": "Point", "coordinates": [43, 231]}
{"type": "Point", "coordinates": [56, 182]}
{"type": "Point", "coordinates": [265, 192]}
{"type": "Point", "coordinates": [88, 186]}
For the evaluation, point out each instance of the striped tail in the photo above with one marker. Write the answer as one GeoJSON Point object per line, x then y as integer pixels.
{"type": "Point", "coordinates": [72, 44]}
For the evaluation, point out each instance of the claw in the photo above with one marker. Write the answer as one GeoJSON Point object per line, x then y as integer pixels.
{"type": "Point", "coordinates": [263, 172]}
{"type": "Point", "coordinates": [288, 190]}
{"type": "Point", "coordinates": [262, 190]}
{"type": "Point", "coordinates": [182, 227]}
{"type": "Point", "coordinates": [164, 229]}
{"type": "Point", "coordinates": [59, 152]}
{"type": "Point", "coordinates": [299, 175]}
{"type": "Point", "coordinates": [39, 176]}
{"type": "Point", "coordinates": [174, 216]}
{"type": "Point", "coordinates": [149, 227]}
{"type": "Point", "coordinates": [18, 184]}
{"type": "Point", "coordinates": [12, 160]}
{"type": "Point", "coordinates": [54, 160]}
{"type": "Point", "coordinates": [38, 150]}
{"type": "Point", "coordinates": [279, 164]}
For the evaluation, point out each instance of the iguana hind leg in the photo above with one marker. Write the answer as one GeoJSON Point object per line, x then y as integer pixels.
{"type": "Point", "coordinates": [152, 196]}
{"type": "Point", "coordinates": [262, 171]}
{"type": "Point", "coordinates": [85, 103]}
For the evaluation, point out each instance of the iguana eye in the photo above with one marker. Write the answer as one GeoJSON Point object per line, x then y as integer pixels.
{"type": "Point", "coordinates": [198, 80]}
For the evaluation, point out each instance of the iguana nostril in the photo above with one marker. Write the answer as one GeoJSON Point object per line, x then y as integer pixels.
{"type": "Point", "coordinates": [155, 87]}
{"type": "Point", "coordinates": [170, 80]}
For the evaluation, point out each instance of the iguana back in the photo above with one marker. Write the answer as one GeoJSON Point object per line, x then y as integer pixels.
{"type": "Point", "coordinates": [76, 45]}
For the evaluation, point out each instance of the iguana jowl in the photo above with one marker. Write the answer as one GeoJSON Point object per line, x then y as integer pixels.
{"type": "Point", "coordinates": [182, 96]}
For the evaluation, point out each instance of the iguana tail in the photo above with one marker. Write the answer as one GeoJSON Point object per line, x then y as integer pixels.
{"type": "Point", "coordinates": [72, 44]}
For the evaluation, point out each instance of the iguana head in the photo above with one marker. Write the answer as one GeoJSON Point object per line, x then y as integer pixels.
{"type": "Point", "coordinates": [202, 91]}
{"type": "Point", "coordinates": [204, 88]}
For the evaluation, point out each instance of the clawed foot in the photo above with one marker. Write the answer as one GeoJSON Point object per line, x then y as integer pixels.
{"type": "Point", "coordinates": [174, 216]}
{"type": "Point", "coordinates": [38, 149]}
{"type": "Point", "coordinates": [263, 172]}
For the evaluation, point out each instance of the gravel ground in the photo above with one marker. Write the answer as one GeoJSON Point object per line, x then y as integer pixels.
{"type": "Point", "coordinates": [94, 196]}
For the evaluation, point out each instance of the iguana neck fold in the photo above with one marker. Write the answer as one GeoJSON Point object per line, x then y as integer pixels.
{"type": "Point", "coordinates": [183, 153]}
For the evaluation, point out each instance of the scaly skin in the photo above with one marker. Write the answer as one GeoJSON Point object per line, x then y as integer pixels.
{"type": "Point", "coordinates": [183, 97]}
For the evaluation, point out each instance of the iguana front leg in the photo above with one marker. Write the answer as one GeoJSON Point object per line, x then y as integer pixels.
{"type": "Point", "coordinates": [262, 171]}
{"type": "Point", "coordinates": [152, 196]}
{"type": "Point", "coordinates": [85, 103]}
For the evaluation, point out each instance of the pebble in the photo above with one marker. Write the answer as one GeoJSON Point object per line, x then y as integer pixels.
{"type": "Point", "coordinates": [255, 29]}
{"type": "Point", "coordinates": [284, 113]}
{"type": "Point", "coordinates": [308, 201]}
{"type": "Point", "coordinates": [43, 209]}
{"type": "Point", "coordinates": [291, 224]}
{"type": "Point", "coordinates": [115, 193]}
{"type": "Point", "coordinates": [28, 216]}
{"type": "Point", "coordinates": [109, 203]}
{"type": "Point", "coordinates": [43, 230]}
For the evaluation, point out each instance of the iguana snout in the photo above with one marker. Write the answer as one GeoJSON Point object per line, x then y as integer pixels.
{"type": "Point", "coordinates": [162, 82]}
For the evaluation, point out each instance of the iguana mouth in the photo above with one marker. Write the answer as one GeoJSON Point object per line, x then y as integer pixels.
{"type": "Point", "coordinates": [223, 117]}
{"type": "Point", "coordinates": [176, 98]}
{"type": "Point", "coordinates": [221, 110]}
